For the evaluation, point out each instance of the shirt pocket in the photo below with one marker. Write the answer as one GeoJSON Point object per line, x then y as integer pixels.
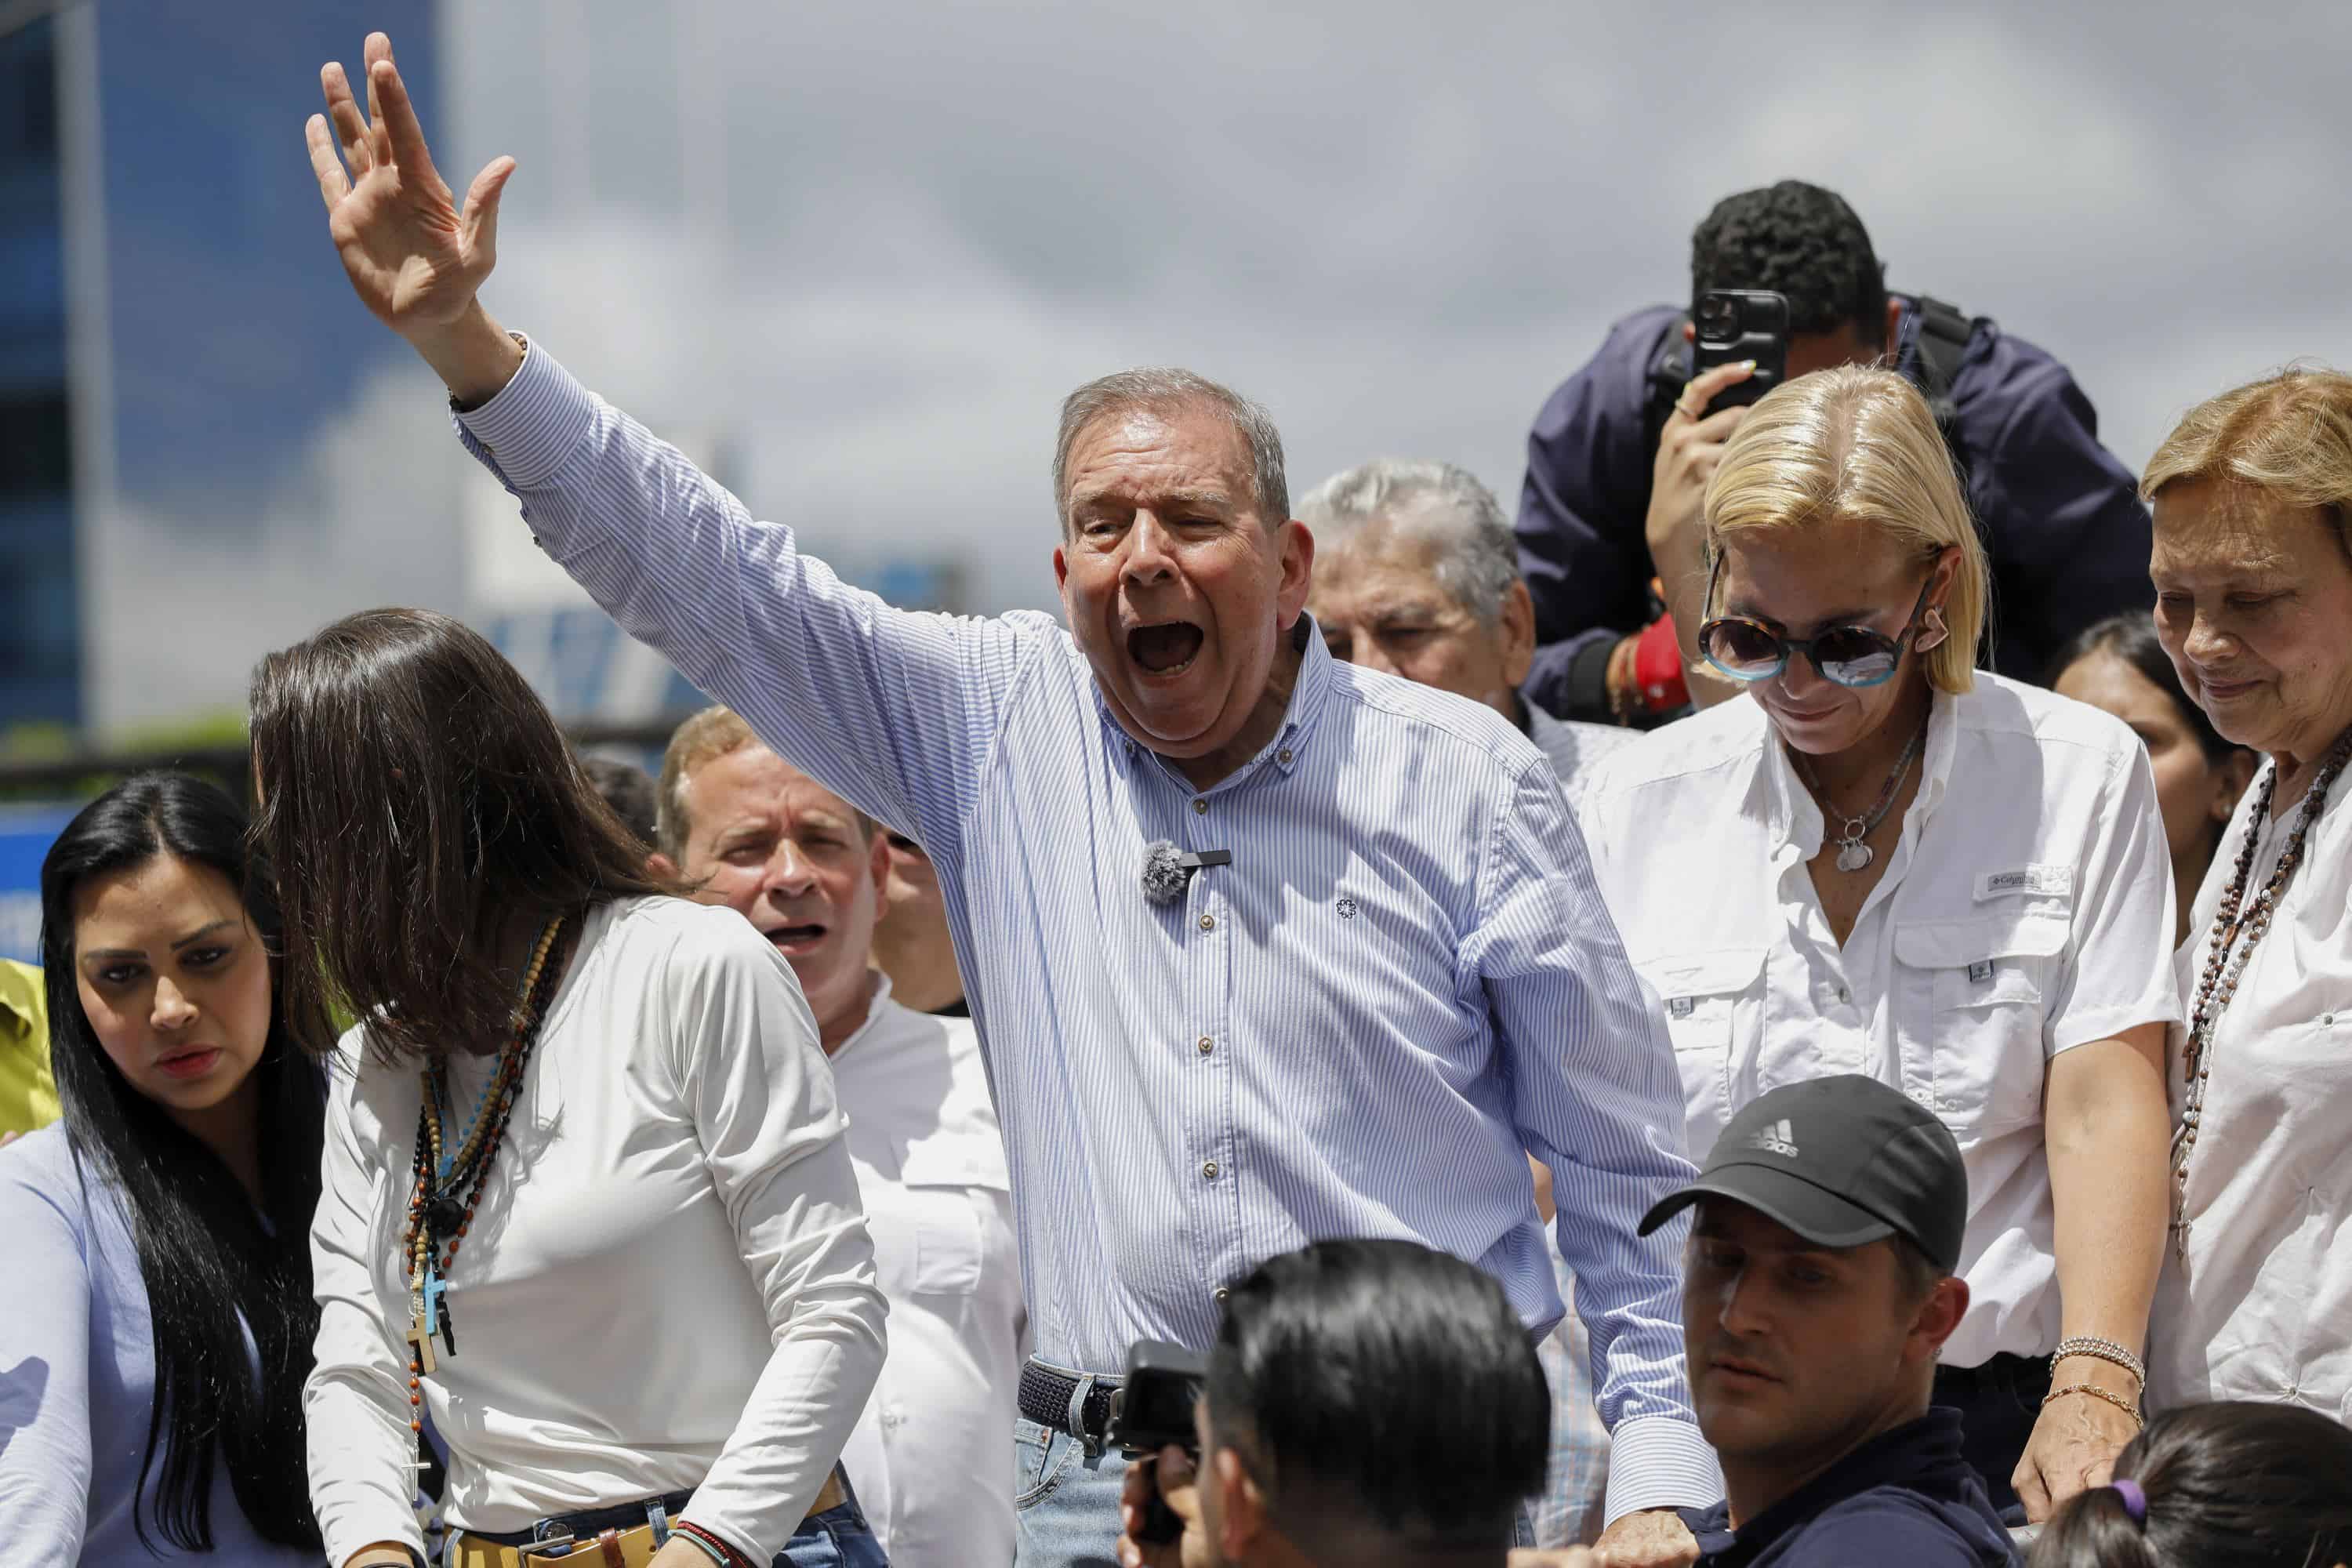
{"type": "Point", "coordinates": [1974, 994]}
{"type": "Point", "coordinates": [1700, 996]}
{"type": "Point", "coordinates": [941, 1211]}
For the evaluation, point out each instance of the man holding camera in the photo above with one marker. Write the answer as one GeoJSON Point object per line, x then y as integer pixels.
{"type": "Point", "coordinates": [1368, 1404]}
{"type": "Point", "coordinates": [1619, 459]}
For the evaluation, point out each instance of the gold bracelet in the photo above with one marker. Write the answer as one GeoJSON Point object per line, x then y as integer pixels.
{"type": "Point", "coordinates": [2089, 1352]}
{"type": "Point", "coordinates": [2096, 1392]}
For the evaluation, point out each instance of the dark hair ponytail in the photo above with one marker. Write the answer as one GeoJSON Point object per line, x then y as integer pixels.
{"type": "Point", "coordinates": [212, 1269]}
{"type": "Point", "coordinates": [2237, 1485]}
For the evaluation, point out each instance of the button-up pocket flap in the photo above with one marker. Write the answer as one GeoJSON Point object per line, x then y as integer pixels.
{"type": "Point", "coordinates": [1956, 944]}
{"type": "Point", "coordinates": [1690, 975]}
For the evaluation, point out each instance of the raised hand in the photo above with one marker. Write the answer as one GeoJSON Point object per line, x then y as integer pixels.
{"type": "Point", "coordinates": [415, 256]}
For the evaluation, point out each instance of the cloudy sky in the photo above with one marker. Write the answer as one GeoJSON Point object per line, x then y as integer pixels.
{"type": "Point", "coordinates": [865, 248]}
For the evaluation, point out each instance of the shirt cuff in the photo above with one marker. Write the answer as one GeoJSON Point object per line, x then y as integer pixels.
{"type": "Point", "coordinates": [1658, 1461]}
{"type": "Point", "coordinates": [535, 424]}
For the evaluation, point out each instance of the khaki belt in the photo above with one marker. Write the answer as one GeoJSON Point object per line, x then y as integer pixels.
{"type": "Point", "coordinates": [631, 1548]}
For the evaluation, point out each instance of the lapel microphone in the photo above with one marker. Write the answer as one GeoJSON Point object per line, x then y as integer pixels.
{"type": "Point", "coordinates": [1168, 871]}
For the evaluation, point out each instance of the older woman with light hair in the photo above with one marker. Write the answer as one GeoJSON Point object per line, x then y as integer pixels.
{"type": "Point", "coordinates": [2254, 578]}
{"type": "Point", "coordinates": [1878, 858]}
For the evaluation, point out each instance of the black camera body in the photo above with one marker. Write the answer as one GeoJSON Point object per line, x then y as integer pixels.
{"type": "Point", "coordinates": [1153, 1406]}
{"type": "Point", "coordinates": [1732, 325]}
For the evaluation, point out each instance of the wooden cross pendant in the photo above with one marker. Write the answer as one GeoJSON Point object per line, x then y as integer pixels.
{"type": "Point", "coordinates": [420, 1338]}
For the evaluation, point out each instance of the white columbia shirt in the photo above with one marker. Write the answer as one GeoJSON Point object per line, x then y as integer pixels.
{"type": "Point", "coordinates": [667, 1284]}
{"type": "Point", "coordinates": [2027, 908]}
{"type": "Point", "coordinates": [2262, 1307]}
{"type": "Point", "coordinates": [932, 1456]}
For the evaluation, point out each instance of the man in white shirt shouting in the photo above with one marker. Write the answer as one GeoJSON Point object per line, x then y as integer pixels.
{"type": "Point", "coordinates": [932, 1458]}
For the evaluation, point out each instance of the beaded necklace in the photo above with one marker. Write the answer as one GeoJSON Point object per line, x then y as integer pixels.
{"type": "Point", "coordinates": [2229, 946]}
{"type": "Point", "coordinates": [447, 1187]}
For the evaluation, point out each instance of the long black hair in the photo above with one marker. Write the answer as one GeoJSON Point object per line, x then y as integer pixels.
{"type": "Point", "coordinates": [211, 1267]}
{"type": "Point", "coordinates": [2236, 1485]}
{"type": "Point", "coordinates": [2131, 637]}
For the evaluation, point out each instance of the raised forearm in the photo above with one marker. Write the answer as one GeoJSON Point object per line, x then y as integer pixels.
{"type": "Point", "coordinates": [473, 355]}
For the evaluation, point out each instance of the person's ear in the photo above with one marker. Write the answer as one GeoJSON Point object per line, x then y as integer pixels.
{"type": "Point", "coordinates": [1518, 629]}
{"type": "Point", "coordinates": [1939, 1315]}
{"type": "Point", "coordinates": [662, 867]}
{"type": "Point", "coordinates": [1240, 1506]}
{"type": "Point", "coordinates": [2233, 777]}
{"type": "Point", "coordinates": [1894, 326]}
{"type": "Point", "coordinates": [1298, 548]}
{"type": "Point", "coordinates": [878, 853]}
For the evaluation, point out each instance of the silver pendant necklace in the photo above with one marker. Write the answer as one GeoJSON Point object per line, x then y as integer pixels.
{"type": "Point", "coordinates": [1853, 854]}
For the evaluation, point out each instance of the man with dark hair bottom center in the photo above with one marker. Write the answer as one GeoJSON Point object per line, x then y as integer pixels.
{"type": "Point", "coordinates": [1818, 1291]}
{"type": "Point", "coordinates": [1368, 1404]}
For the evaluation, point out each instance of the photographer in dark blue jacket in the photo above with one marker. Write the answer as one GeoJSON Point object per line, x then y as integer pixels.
{"type": "Point", "coordinates": [1621, 454]}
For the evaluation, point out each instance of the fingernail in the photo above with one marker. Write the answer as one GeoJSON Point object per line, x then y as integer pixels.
{"type": "Point", "coordinates": [1748, 364]}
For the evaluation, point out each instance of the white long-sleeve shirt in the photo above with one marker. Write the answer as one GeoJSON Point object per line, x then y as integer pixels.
{"type": "Point", "coordinates": [2263, 1307]}
{"type": "Point", "coordinates": [932, 1456]}
{"type": "Point", "coordinates": [667, 1284]}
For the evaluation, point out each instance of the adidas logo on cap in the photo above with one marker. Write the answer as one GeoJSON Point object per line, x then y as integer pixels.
{"type": "Point", "coordinates": [1777, 1139]}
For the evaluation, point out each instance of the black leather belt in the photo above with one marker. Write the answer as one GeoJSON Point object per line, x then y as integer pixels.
{"type": "Point", "coordinates": [1047, 1392]}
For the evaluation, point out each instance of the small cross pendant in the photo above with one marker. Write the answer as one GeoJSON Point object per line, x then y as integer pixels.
{"type": "Point", "coordinates": [420, 1338]}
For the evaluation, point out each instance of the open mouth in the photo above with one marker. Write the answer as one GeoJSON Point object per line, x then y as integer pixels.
{"type": "Point", "coordinates": [1166, 649]}
{"type": "Point", "coordinates": [791, 940]}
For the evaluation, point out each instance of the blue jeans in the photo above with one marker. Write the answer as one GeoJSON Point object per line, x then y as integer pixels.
{"type": "Point", "coordinates": [1065, 1505]}
{"type": "Point", "coordinates": [837, 1538]}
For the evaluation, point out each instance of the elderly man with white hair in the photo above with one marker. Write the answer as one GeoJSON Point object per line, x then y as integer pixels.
{"type": "Point", "coordinates": [1417, 574]}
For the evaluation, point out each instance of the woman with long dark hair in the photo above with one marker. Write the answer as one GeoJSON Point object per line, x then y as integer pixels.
{"type": "Point", "coordinates": [2234, 1485]}
{"type": "Point", "coordinates": [159, 1320]}
{"type": "Point", "coordinates": [2119, 665]}
{"type": "Point", "coordinates": [587, 1197]}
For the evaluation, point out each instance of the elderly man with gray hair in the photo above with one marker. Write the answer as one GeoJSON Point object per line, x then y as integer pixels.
{"type": "Point", "coordinates": [1369, 969]}
{"type": "Point", "coordinates": [1417, 574]}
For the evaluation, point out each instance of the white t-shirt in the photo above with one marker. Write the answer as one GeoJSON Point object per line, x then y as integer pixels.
{"type": "Point", "coordinates": [2027, 908]}
{"type": "Point", "coordinates": [2263, 1307]}
{"type": "Point", "coordinates": [667, 1284]}
{"type": "Point", "coordinates": [932, 1456]}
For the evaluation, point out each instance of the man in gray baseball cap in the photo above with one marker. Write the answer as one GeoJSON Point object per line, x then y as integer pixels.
{"type": "Point", "coordinates": [1817, 1291]}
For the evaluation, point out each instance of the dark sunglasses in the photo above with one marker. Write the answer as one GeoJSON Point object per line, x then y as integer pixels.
{"type": "Point", "coordinates": [1748, 650]}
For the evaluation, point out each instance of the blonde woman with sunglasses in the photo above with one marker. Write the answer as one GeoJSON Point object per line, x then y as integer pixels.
{"type": "Point", "coordinates": [1868, 856]}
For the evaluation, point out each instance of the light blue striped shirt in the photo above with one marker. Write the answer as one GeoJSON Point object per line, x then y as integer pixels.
{"type": "Point", "coordinates": [1404, 978]}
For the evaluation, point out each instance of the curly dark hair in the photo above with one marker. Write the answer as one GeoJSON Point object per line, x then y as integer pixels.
{"type": "Point", "coordinates": [1802, 241]}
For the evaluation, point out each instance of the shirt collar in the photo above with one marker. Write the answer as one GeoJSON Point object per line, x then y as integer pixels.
{"type": "Point", "coordinates": [1923, 1451]}
{"type": "Point", "coordinates": [18, 1015]}
{"type": "Point", "coordinates": [874, 1011]}
{"type": "Point", "coordinates": [1308, 695]}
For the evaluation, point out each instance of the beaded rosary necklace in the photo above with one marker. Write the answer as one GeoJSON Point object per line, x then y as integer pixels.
{"type": "Point", "coordinates": [2229, 945]}
{"type": "Point", "coordinates": [448, 1186]}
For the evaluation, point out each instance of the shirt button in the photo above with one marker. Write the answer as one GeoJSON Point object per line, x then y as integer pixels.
{"type": "Point", "coordinates": [1210, 1169]}
{"type": "Point", "coordinates": [2326, 1018]}
{"type": "Point", "coordinates": [1200, 805]}
{"type": "Point", "coordinates": [1219, 1295]}
{"type": "Point", "coordinates": [1206, 1045]}
{"type": "Point", "coordinates": [1283, 756]}
{"type": "Point", "coordinates": [1208, 922]}
{"type": "Point", "coordinates": [1843, 995]}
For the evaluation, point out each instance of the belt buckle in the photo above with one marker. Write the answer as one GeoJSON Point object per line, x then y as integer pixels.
{"type": "Point", "coordinates": [554, 1546]}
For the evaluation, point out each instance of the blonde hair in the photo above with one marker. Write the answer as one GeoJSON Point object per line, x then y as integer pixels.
{"type": "Point", "coordinates": [1858, 445]}
{"type": "Point", "coordinates": [2290, 434]}
{"type": "Point", "coordinates": [717, 731]}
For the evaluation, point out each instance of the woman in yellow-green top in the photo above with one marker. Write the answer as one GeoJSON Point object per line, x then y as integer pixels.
{"type": "Point", "coordinates": [28, 1095]}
